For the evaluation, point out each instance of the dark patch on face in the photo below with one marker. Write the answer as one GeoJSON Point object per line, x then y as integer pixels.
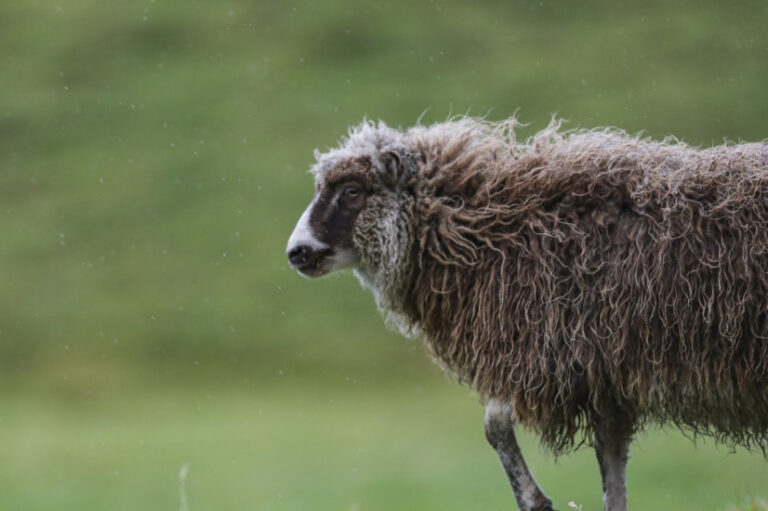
{"type": "Point", "coordinates": [339, 202]}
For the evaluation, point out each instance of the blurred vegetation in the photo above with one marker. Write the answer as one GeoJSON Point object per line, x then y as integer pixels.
{"type": "Point", "coordinates": [152, 165]}
{"type": "Point", "coordinates": [754, 505]}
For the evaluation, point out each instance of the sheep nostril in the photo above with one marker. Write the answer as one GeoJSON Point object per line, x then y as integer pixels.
{"type": "Point", "coordinates": [300, 255]}
{"type": "Point", "coordinates": [305, 258]}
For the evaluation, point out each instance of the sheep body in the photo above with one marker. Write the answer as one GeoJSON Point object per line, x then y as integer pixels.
{"type": "Point", "coordinates": [581, 276]}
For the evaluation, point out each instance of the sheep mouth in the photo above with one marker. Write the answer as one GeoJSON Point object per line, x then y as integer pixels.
{"type": "Point", "coordinates": [315, 266]}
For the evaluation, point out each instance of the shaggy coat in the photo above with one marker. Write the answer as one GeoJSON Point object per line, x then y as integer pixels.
{"type": "Point", "coordinates": [582, 276]}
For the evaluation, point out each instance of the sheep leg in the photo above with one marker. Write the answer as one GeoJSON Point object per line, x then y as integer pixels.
{"type": "Point", "coordinates": [612, 449]}
{"type": "Point", "coordinates": [499, 430]}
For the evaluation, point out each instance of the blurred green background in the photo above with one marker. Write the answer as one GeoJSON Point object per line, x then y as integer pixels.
{"type": "Point", "coordinates": [152, 165]}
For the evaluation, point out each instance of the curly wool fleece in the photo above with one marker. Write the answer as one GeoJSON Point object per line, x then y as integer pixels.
{"type": "Point", "coordinates": [584, 276]}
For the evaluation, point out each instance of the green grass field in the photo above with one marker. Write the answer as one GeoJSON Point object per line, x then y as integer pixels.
{"type": "Point", "coordinates": [152, 165]}
{"type": "Point", "coordinates": [348, 445]}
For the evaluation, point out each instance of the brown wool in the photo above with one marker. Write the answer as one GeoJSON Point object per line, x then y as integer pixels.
{"type": "Point", "coordinates": [584, 275]}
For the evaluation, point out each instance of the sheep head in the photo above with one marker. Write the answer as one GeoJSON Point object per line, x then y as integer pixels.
{"type": "Point", "coordinates": [360, 216]}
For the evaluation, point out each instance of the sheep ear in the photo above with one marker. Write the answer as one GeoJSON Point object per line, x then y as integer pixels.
{"type": "Point", "coordinates": [393, 169]}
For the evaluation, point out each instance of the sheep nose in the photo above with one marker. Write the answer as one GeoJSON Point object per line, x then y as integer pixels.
{"type": "Point", "coordinates": [308, 260]}
{"type": "Point", "coordinates": [301, 255]}
{"type": "Point", "coordinates": [304, 256]}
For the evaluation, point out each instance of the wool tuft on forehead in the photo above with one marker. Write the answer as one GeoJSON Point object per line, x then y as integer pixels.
{"type": "Point", "coordinates": [366, 139]}
{"type": "Point", "coordinates": [371, 139]}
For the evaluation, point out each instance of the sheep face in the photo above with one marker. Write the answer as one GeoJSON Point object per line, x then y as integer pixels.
{"type": "Point", "coordinates": [350, 221]}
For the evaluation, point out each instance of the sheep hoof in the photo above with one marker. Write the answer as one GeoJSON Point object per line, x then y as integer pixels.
{"type": "Point", "coordinates": [538, 503]}
{"type": "Point", "coordinates": [544, 506]}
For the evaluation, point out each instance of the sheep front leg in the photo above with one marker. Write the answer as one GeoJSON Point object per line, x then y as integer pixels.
{"type": "Point", "coordinates": [612, 449]}
{"type": "Point", "coordinates": [499, 430]}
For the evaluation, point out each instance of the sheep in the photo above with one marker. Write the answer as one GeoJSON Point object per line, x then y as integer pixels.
{"type": "Point", "coordinates": [585, 283]}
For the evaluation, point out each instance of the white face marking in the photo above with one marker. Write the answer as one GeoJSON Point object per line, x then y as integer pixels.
{"type": "Point", "coordinates": [302, 233]}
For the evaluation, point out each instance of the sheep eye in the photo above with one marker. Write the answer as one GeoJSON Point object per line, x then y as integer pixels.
{"type": "Point", "coordinates": [352, 191]}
